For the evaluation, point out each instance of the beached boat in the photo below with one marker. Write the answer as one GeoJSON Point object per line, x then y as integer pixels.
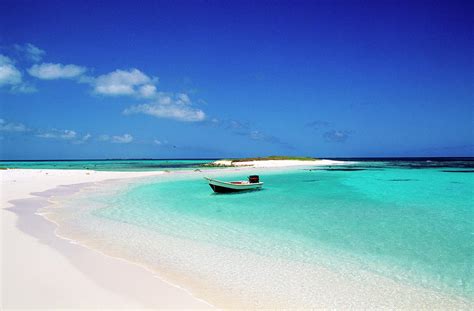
{"type": "Point", "coordinates": [234, 186]}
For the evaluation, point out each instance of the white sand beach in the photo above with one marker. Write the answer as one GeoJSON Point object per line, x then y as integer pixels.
{"type": "Point", "coordinates": [34, 275]}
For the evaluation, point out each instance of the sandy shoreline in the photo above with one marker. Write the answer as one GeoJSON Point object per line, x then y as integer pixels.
{"type": "Point", "coordinates": [35, 274]}
{"type": "Point", "coordinates": [34, 264]}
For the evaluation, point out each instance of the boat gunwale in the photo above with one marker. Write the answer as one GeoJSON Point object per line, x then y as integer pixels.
{"type": "Point", "coordinates": [241, 185]}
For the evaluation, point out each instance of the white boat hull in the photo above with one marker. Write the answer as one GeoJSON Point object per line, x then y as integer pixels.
{"type": "Point", "coordinates": [224, 187]}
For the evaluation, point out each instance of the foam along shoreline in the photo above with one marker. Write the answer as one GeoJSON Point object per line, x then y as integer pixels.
{"type": "Point", "coordinates": [277, 163]}
{"type": "Point", "coordinates": [41, 270]}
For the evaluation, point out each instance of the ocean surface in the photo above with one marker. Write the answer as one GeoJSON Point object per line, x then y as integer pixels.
{"type": "Point", "coordinates": [107, 165]}
{"type": "Point", "coordinates": [407, 221]}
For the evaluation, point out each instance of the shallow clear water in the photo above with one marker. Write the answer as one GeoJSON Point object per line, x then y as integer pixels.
{"type": "Point", "coordinates": [411, 222]}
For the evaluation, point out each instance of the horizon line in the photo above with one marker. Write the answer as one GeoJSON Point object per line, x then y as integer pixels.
{"type": "Point", "coordinates": [181, 159]}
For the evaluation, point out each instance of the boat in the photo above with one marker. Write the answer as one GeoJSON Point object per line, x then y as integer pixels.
{"type": "Point", "coordinates": [253, 183]}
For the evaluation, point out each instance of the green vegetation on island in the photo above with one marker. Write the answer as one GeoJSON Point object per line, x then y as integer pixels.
{"type": "Point", "coordinates": [230, 162]}
{"type": "Point", "coordinates": [274, 158]}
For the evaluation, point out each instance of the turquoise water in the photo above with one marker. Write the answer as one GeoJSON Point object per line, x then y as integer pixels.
{"type": "Point", "coordinates": [107, 165]}
{"type": "Point", "coordinates": [411, 222]}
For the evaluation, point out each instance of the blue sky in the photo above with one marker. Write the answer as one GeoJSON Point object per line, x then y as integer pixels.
{"type": "Point", "coordinates": [185, 79]}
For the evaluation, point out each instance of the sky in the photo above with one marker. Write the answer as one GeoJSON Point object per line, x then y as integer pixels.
{"type": "Point", "coordinates": [212, 79]}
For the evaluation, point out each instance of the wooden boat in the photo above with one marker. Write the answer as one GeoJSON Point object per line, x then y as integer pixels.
{"type": "Point", "coordinates": [235, 186]}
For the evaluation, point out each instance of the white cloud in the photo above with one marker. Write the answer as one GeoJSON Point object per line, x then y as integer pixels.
{"type": "Point", "coordinates": [48, 71]}
{"type": "Point", "coordinates": [31, 51]}
{"type": "Point", "coordinates": [171, 112]}
{"type": "Point", "coordinates": [183, 99]}
{"type": "Point", "coordinates": [58, 134]}
{"type": "Point", "coordinates": [5, 60]}
{"type": "Point", "coordinates": [12, 127]}
{"type": "Point", "coordinates": [12, 77]}
{"type": "Point", "coordinates": [68, 135]}
{"type": "Point", "coordinates": [9, 74]}
{"type": "Point", "coordinates": [177, 108]}
{"type": "Point", "coordinates": [147, 90]}
{"type": "Point", "coordinates": [132, 82]}
{"type": "Point", "coordinates": [124, 139]}
{"type": "Point", "coordinates": [256, 135]}
{"type": "Point", "coordinates": [123, 82]}
{"type": "Point", "coordinates": [83, 139]}
{"type": "Point", "coordinates": [23, 88]}
{"type": "Point", "coordinates": [336, 136]}
{"type": "Point", "coordinates": [162, 143]}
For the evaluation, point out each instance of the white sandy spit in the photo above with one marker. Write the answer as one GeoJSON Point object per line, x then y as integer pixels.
{"type": "Point", "coordinates": [280, 163]}
{"type": "Point", "coordinates": [35, 275]}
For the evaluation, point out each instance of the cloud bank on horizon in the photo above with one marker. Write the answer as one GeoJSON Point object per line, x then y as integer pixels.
{"type": "Point", "coordinates": [48, 71]}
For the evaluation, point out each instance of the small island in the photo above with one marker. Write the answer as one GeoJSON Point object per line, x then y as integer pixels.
{"type": "Point", "coordinates": [271, 161]}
